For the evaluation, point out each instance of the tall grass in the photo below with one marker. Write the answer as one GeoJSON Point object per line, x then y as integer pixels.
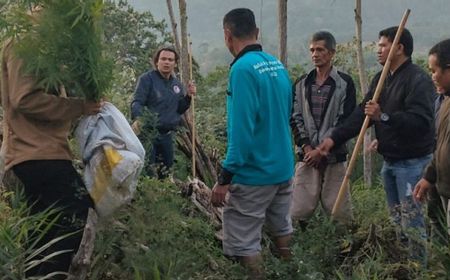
{"type": "Point", "coordinates": [161, 235]}
{"type": "Point", "coordinates": [20, 236]}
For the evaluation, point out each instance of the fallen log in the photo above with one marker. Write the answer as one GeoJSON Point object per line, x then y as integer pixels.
{"type": "Point", "coordinates": [200, 195]}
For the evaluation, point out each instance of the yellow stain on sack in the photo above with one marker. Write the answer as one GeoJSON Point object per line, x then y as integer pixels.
{"type": "Point", "coordinates": [103, 172]}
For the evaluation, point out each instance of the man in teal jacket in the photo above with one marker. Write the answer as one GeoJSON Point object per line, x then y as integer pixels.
{"type": "Point", "coordinates": [258, 167]}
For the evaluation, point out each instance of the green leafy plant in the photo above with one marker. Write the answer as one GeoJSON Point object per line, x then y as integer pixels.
{"type": "Point", "coordinates": [61, 44]}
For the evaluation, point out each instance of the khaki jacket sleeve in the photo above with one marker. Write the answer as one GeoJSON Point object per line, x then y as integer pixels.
{"type": "Point", "coordinates": [430, 172]}
{"type": "Point", "coordinates": [35, 103]}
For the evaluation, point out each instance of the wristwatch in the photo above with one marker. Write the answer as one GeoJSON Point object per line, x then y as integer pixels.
{"type": "Point", "coordinates": [384, 117]}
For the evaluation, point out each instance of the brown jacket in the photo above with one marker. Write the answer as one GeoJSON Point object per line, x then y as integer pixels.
{"type": "Point", "coordinates": [39, 123]}
{"type": "Point", "coordinates": [438, 171]}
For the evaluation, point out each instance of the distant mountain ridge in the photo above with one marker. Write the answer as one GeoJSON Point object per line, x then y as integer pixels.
{"type": "Point", "coordinates": [428, 22]}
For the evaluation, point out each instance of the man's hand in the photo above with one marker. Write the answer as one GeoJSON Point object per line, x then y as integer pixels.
{"type": "Point", "coordinates": [373, 110]}
{"type": "Point", "coordinates": [218, 195]}
{"type": "Point", "coordinates": [313, 158]}
{"type": "Point", "coordinates": [136, 126]}
{"type": "Point", "coordinates": [325, 147]}
{"type": "Point", "coordinates": [192, 88]}
{"type": "Point", "coordinates": [421, 189]}
{"type": "Point", "coordinates": [92, 108]}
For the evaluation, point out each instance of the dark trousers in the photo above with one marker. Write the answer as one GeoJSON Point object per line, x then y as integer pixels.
{"type": "Point", "coordinates": [56, 183]}
{"type": "Point", "coordinates": [161, 156]}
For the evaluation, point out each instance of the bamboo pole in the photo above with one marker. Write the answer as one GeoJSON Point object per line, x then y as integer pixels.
{"type": "Point", "coordinates": [351, 165]}
{"type": "Point", "coordinates": [192, 108]}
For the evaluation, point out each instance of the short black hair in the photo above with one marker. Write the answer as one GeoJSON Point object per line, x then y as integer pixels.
{"type": "Point", "coordinates": [442, 52]}
{"type": "Point", "coordinates": [164, 48]}
{"type": "Point", "coordinates": [330, 42]}
{"type": "Point", "coordinates": [241, 23]}
{"type": "Point", "coordinates": [406, 38]}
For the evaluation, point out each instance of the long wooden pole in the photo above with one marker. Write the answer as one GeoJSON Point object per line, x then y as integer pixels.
{"type": "Point", "coordinates": [192, 109]}
{"type": "Point", "coordinates": [351, 165]}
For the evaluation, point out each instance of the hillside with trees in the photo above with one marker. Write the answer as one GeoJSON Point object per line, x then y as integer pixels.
{"type": "Point", "coordinates": [304, 18]}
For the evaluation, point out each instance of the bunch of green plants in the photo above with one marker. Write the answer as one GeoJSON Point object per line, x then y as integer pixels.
{"type": "Point", "coordinates": [60, 42]}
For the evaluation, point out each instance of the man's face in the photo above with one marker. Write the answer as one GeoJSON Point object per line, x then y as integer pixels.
{"type": "Point", "coordinates": [440, 77]}
{"type": "Point", "coordinates": [166, 62]}
{"type": "Point", "coordinates": [384, 46]}
{"type": "Point", "coordinates": [320, 55]}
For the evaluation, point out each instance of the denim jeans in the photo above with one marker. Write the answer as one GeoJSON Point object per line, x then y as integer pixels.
{"type": "Point", "coordinates": [400, 178]}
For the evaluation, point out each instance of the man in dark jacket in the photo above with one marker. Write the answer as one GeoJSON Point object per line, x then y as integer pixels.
{"type": "Point", "coordinates": [323, 99]}
{"type": "Point", "coordinates": [404, 127]}
{"type": "Point", "coordinates": [164, 95]}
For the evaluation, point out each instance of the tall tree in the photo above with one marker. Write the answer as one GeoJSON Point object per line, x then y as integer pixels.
{"type": "Point", "coordinates": [173, 23]}
{"type": "Point", "coordinates": [203, 166]}
{"type": "Point", "coordinates": [184, 54]}
{"type": "Point", "coordinates": [367, 155]}
{"type": "Point", "coordinates": [132, 36]}
{"type": "Point", "coordinates": [282, 31]}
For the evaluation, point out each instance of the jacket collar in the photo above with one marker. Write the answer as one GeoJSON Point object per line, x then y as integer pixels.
{"type": "Point", "coordinates": [312, 75]}
{"type": "Point", "coordinates": [162, 77]}
{"type": "Point", "coordinates": [403, 66]}
{"type": "Point", "coordinates": [246, 49]}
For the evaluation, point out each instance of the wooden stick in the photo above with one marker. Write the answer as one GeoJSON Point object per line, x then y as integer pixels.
{"type": "Point", "coordinates": [386, 68]}
{"type": "Point", "coordinates": [81, 262]}
{"type": "Point", "coordinates": [192, 109]}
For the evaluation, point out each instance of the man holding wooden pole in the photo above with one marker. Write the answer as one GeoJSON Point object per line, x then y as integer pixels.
{"type": "Point", "coordinates": [404, 127]}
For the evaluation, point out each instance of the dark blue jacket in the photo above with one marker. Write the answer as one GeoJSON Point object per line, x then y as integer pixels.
{"type": "Point", "coordinates": [164, 97]}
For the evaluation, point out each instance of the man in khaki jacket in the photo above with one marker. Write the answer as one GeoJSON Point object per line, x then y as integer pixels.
{"type": "Point", "coordinates": [324, 98]}
{"type": "Point", "coordinates": [38, 153]}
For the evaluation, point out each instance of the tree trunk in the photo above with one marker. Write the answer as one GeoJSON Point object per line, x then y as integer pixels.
{"type": "Point", "coordinates": [367, 155]}
{"type": "Point", "coordinates": [184, 55]}
{"type": "Point", "coordinates": [174, 26]}
{"type": "Point", "coordinates": [203, 166]}
{"type": "Point", "coordinates": [282, 31]}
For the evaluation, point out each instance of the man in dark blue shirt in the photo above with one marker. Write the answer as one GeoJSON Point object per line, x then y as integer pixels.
{"type": "Point", "coordinates": [164, 95]}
